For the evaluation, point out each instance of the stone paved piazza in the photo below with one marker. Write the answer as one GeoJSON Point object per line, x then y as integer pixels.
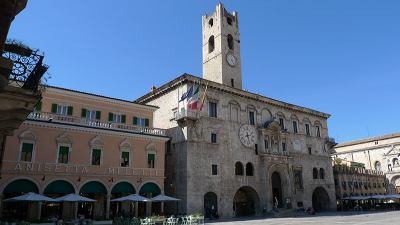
{"type": "Point", "coordinates": [389, 218]}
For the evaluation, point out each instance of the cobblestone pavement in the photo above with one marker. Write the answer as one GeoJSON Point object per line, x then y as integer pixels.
{"type": "Point", "coordinates": [379, 218]}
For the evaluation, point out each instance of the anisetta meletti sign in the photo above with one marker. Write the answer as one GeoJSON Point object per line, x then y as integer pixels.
{"type": "Point", "coordinates": [28, 167]}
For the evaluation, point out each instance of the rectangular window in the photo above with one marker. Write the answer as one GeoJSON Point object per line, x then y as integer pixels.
{"type": "Point", "coordinates": [124, 159]}
{"type": "Point", "coordinates": [266, 144]}
{"type": "Point", "coordinates": [143, 122]}
{"type": "Point", "coordinates": [251, 118]}
{"type": "Point", "coordinates": [295, 127]}
{"type": "Point", "coordinates": [90, 114]}
{"type": "Point", "coordinates": [26, 152]}
{"type": "Point", "coordinates": [284, 146]}
{"type": "Point", "coordinates": [282, 123]}
{"type": "Point", "coordinates": [232, 83]}
{"type": "Point", "coordinates": [318, 132]}
{"type": "Point", "coordinates": [151, 158]}
{"type": "Point", "coordinates": [308, 129]}
{"type": "Point", "coordinates": [256, 148]}
{"type": "Point", "coordinates": [63, 154]}
{"type": "Point", "coordinates": [212, 109]}
{"type": "Point", "coordinates": [116, 118]}
{"type": "Point", "coordinates": [309, 150]}
{"type": "Point", "coordinates": [214, 169]}
{"type": "Point", "coordinates": [96, 156]}
{"type": "Point", "coordinates": [62, 109]}
{"type": "Point", "coordinates": [213, 138]}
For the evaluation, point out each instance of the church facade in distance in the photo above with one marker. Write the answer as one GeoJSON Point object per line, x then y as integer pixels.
{"type": "Point", "coordinates": [237, 153]}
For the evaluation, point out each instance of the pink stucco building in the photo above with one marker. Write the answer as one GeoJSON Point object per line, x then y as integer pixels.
{"type": "Point", "coordinates": [82, 143]}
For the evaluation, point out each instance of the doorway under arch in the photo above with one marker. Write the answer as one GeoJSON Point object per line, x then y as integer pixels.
{"type": "Point", "coordinates": [210, 205]}
{"type": "Point", "coordinates": [276, 189]}
{"type": "Point", "coordinates": [320, 199]}
{"type": "Point", "coordinates": [246, 201]}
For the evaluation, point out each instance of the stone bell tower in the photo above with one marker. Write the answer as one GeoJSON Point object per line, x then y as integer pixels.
{"type": "Point", "coordinates": [221, 48]}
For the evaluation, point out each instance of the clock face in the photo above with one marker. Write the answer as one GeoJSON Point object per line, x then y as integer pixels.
{"type": "Point", "coordinates": [247, 135]}
{"type": "Point", "coordinates": [231, 59]}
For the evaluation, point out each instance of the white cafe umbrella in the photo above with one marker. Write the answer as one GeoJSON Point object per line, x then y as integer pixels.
{"type": "Point", "coordinates": [74, 198]}
{"type": "Point", "coordinates": [378, 197]}
{"type": "Point", "coordinates": [132, 198]}
{"type": "Point", "coordinates": [164, 198]}
{"type": "Point", "coordinates": [392, 196]}
{"type": "Point", "coordinates": [31, 197]}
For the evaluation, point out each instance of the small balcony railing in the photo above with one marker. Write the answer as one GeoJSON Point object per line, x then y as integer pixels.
{"type": "Point", "coordinates": [186, 114]}
{"type": "Point", "coordinates": [94, 123]}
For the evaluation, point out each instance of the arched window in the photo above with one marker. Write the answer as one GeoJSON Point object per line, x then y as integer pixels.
{"type": "Point", "coordinates": [249, 169]}
{"type": "Point", "coordinates": [395, 162]}
{"type": "Point", "coordinates": [321, 173]}
{"type": "Point", "coordinates": [378, 166]}
{"type": "Point", "coordinates": [229, 20]}
{"type": "Point", "coordinates": [230, 42]}
{"type": "Point", "coordinates": [211, 22]}
{"type": "Point", "coordinates": [239, 168]}
{"type": "Point", "coordinates": [315, 173]}
{"type": "Point", "coordinates": [211, 44]}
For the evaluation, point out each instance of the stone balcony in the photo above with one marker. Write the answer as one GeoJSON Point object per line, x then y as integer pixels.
{"type": "Point", "coordinates": [51, 117]}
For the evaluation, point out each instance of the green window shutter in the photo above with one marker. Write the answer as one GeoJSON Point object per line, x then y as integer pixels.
{"type": "Point", "coordinates": [135, 120]}
{"type": "Point", "coordinates": [98, 115]}
{"type": "Point", "coordinates": [96, 152]}
{"type": "Point", "coordinates": [83, 113]}
{"type": "Point", "coordinates": [110, 117]}
{"type": "Point", "coordinates": [27, 147]}
{"type": "Point", "coordinates": [54, 108]}
{"type": "Point", "coordinates": [125, 155]}
{"type": "Point", "coordinates": [146, 122]}
{"type": "Point", "coordinates": [151, 157]}
{"type": "Point", "coordinates": [64, 150]}
{"type": "Point", "coordinates": [70, 110]}
{"type": "Point", "coordinates": [123, 118]}
{"type": "Point", "coordinates": [38, 106]}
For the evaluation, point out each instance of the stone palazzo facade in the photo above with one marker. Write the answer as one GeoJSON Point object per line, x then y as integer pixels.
{"type": "Point", "coordinates": [240, 153]}
{"type": "Point", "coordinates": [380, 153]}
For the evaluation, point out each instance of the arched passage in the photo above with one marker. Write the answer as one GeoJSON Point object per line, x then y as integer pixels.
{"type": "Point", "coordinates": [246, 201]}
{"type": "Point", "coordinates": [97, 191]}
{"type": "Point", "coordinates": [19, 187]}
{"type": "Point", "coordinates": [210, 205]}
{"type": "Point", "coordinates": [320, 199]}
{"type": "Point", "coordinates": [19, 210]}
{"type": "Point", "coordinates": [149, 190]}
{"type": "Point", "coordinates": [276, 189]}
{"type": "Point", "coordinates": [57, 189]}
{"type": "Point", "coordinates": [124, 208]}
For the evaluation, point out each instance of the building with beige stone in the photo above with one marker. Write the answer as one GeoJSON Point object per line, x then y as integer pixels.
{"type": "Point", "coordinates": [357, 181]}
{"type": "Point", "coordinates": [96, 146]}
{"type": "Point", "coordinates": [234, 152]}
{"type": "Point", "coordinates": [380, 153]}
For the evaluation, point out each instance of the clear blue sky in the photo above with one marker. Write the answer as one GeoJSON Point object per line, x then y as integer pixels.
{"type": "Point", "coordinates": [337, 56]}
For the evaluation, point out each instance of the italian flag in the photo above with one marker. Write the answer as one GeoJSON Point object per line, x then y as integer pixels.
{"type": "Point", "coordinates": [194, 100]}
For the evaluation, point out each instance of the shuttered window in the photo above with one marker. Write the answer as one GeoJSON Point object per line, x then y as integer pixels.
{"type": "Point", "coordinates": [26, 152]}
{"type": "Point", "coordinates": [151, 160]}
{"type": "Point", "coordinates": [96, 156]}
{"type": "Point", "coordinates": [63, 154]}
{"type": "Point", "coordinates": [62, 109]}
{"type": "Point", "coordinates": [124, 159]}
{"type": "Point", "coordinates": [143, 122]}
{"type": "Point", "coordinates": [116, 118]}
